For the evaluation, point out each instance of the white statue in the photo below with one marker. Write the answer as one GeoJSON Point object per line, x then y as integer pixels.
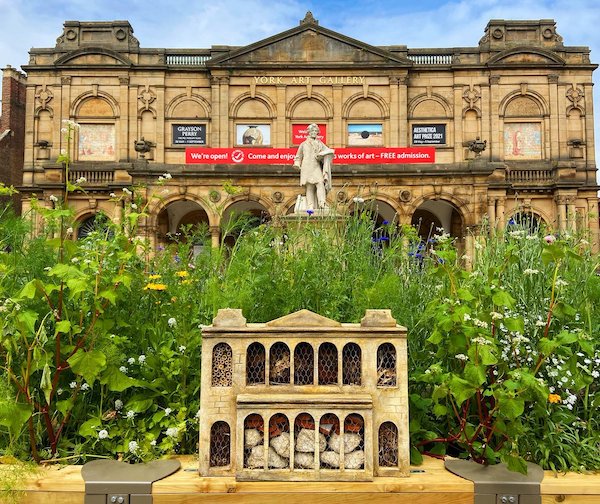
{"type": "Point", "coordinates": [314, 160]}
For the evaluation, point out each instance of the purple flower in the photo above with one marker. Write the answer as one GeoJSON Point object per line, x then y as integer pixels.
{"type": "Point", "coordinates": [160, 248]}
{"type": "Point", "coordinates": [310, 212]}
{"type": "Point", "coordinates": [385, 222]}
{"type": "Point", "coordinates": [550, 239]}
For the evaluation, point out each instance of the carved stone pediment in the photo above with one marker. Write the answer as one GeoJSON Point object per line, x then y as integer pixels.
{"type": "Point", "coordinates": [93, 56]}
{"type": "Point", "coordinates": [307, 44]}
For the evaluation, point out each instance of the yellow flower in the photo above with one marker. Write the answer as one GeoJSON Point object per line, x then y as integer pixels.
{"type": "Point", "coordinates": [553, 398]}
{"type": "Point", "coordinates": [186, 282]}
{"type": "Point", "coordinates": [182, 274]}
{"type": "Point", "coordinates": [155, 286]}
{"type": "Point", "coordinates": [154, 277]}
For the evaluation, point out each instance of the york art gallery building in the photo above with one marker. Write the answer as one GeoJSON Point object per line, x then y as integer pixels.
{"type": "Point", "coordinates": [450, 137]}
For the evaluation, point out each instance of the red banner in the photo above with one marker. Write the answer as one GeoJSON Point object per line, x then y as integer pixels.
{"type": "Point", "coordinates": [300, 133]}
{"type": "Point", "coordinates": [347, 155]}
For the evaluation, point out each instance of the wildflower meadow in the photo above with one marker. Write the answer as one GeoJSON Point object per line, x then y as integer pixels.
{"type": "Point", "coordinates": [101, 336]}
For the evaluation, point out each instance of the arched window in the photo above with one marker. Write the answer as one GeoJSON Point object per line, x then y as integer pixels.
{"type": "Point", "coordinates": [97, 140]}
{"type": "Point", "coordinates": [388, 445]}
{"type": "Point", "coordinates": [328, 364]}
{"type": "Point", "coordinates": [254, 441]}
{"type": "Point", "coordinates": [279, 364]}
{"type": "Point", "coordinates": [304, 364]}
{"type": "Point", "coordinates": [222, 365]}
{"type": "Point", "coordinates": [98, 223]}
{"type": "Point", "coordinates": [386, 365]}
{"type": "Point", "coordinates": [329, 427]}
{"type": "Point", "coordinates": [354, 442]}
{"type": "Point", "coordinates": [255, 364]}
{"type": "Point", "coordinates": [525, 221]}
{"type": "Point", "coordinates": [220, 445]}
{"type": "Point", "coordinates": [304, 435]}
{"type": "Point", "coordinates": [351, 364]}
{"type": "Point", "coordinates": [279, 441]}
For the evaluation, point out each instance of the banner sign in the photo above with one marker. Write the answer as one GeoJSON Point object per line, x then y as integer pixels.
{"type": "Point", "coordinates": [429, 134]}
{"type": "Point", "coordinates": [300, 133]}
{"type": "Point", "coordinates": [348, 155]}
{"type": "Point", "coordinates": [189, 134]}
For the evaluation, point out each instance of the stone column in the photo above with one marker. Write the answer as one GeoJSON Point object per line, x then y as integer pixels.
{"type": "Point", "coordinates": [123, 139]}
{"type": "Point", "coordinates": [458, 123]}
{"type": "Point", "coordinates": [215, 236]}
{"type": "Point", "coordinates": [215, 130]}
{"type": "Point", "coordinates": [496, 122]}
{"type": "Point", "coordinates": [282, 135]}
{"type": "Point", "coordinates": [562, 213]}
{"type": "Point", "coordinates": [571, 215]}
{"type": "Point", "coordinates": [224, 111]}
{"type": "Point", "coordinates": [491, 202]}
{"type": "Point", "coordinates": [403, 111]}
{"type": "Point", "coordinates": [337, 137]}
{"type": "Point", "coordinates": [554, 116]}
{"type": "Point", "coordinates": [394, 121]}
{"type": "Point", "coordinates": [161, 134]}
{"type": "Point", "coordinates": [500, 213]}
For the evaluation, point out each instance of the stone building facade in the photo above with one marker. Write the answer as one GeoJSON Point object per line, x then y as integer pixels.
{"type": "Point", "coordinates": [510, 119]}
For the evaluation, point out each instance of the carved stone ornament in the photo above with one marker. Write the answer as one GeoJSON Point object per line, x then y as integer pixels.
{"type": "Point", "coordinates": [405, 196]}
{"type": "Point", "coordinates": [214, 196]}
{"type": "Point", "coordinates": [277, 196]}
{"type": "Point", "coordinates": [44, 96]}
{"type": "Point", "coordinates": [309, 19]}
{"type": "Point", "coordinates": [146, 96]}
{"type": "Point", "coordinates": [575, 94]}
{"type": "Point", "coordinates": [342, 196]}
{"type": "Point", "coordinates": [471, 95]}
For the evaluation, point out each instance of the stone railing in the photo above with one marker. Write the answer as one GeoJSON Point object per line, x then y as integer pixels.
{"type": "Point", "coordinates": [533, 177]}
{"type": "Point", "coordinates": [92, 177]}
{"type": "Point", "coordinates": [431, 59]}
{"type": "Point", "coordinates": [187, 59]}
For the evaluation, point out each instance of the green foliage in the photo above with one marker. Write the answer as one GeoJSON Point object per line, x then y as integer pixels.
{"type": "Point", "coordinates": [101, 337]}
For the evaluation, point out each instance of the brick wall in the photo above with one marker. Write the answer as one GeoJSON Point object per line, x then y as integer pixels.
{"type": "Point", "coordinates": [12, 129]}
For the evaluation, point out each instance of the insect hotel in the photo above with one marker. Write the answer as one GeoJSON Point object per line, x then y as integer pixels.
{"type": "Point", "coordinates": [304, 398]}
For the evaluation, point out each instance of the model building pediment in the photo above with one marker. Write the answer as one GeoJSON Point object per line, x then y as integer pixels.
{"type": "Point", "coordinates": [303, 318]}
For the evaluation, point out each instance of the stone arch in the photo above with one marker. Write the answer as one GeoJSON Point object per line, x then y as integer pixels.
{"type": "Point", "coordinates": [88, 221]}
{"type": "Point", "coordinates": [374, 98]}
{"type": "Point", "coordinates": [387, 211]}
{"type": "Point", "coordinates": [178, 100]}
{"type": "Point", "coordinates": [532, 95]}
{"type": "Point", "coordinates": [81, 100]}
{"type": "Point", "coordinates": [572, 108]}
{"type": "Point", "coordinates": [422, 99]}
{"type": "Point", "coordinates": [141, 111]}
{"type": "Point", "coordinates": [169, 217]}
{"type": "Point", "coordinates": [510, 57]}
{"type": "Point", "coordinates": [154, 208]}
{"type": "Point", "coordinates": [543, 218]}
{"type": "Point", "coordinates": [261, 98]}
{"type": "Point", "coordinates": [249, 198]}
{"type": "Point", "coordinates": [477, 111]}
{"type": "Point", "coordinates": [89, 51]}
{"type": "Point", "coordinates": [45, 108]}
{"type": "Point", "coordinates": [301, 98]}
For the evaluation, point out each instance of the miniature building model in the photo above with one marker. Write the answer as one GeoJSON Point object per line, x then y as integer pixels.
{"type": "Point", "coordinates": [510, 120]}
{"type": "Point", "coordinates": [304, 397]}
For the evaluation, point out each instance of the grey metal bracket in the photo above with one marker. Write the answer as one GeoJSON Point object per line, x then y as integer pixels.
{"type": "Point", "coordinates": [497, 485]}
{"type": "Point", "coordinates": [113, 482]}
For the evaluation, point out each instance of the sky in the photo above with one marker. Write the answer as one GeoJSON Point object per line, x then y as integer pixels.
{"type": "Point", "coordinates": [202, 23]}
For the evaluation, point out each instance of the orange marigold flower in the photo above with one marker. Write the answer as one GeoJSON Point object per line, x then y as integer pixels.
{"type": "Point", "coordinates": [154, 277]}
{"type": "Point", "coordinates": [155, 286]}
{"type": "Point", "coordinates": [553, 398]}
{"type": "Point", "coordinates": [182, 274]}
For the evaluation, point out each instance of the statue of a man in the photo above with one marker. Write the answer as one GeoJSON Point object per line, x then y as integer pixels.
{"type": "Point", "coordinates": [314, 160]}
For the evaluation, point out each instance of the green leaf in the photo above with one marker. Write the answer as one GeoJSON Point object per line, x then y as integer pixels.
{"type": "Point", "coordinates": [461, 389]}
{"type": "Point", "coordinates": [548, 346]}
{"type": "Point", "coordinates": [502, 298]}
{"type": "Point", "coordinates": [28, 318]}
{"type": "Point", "coordinates": [486, 355]}
{"type": "Point", "coordinates": [29, 290]}
{"type": "Point", "coordinates": [511, 407]}
{"type": "Point", "coordinates": [14, 415]}
{"type": "Point", "coordinates": [109, 294]}
{"type": "Point", "coordinates": [64, 326]}
{"type": "Point", "coordinates": [515, 463]}
{"type": "Point", "coordinates": [514, 324]}
{"type": "Point", "coordinates": [116, 380]}
{"type": "Point", "coordinates": [64, 406]}
{"type": "Point", "coordinates": [566, 338]}
{"type": "Point", "coordinates": [465, 294]}
{"type": "Point", "coordinates": [139, 403]}
{"type": "Point", "coordinates": [475, 375]}
{"type": "Point", "coordinates": [46, 382]}
{"type": "Point", "coordinates": [89, 427]}
{"type": "Point", "coordinates": [65, 272]}
{"type": "Point", "coordinates": [552, 253]}
{"type": "Point", "coordinates": [87, 364]}
{"type": "Point", "coordinates": [435, 338]}
{"type": "Point", "coordinates": [77, 286]}
{"type": "Point", "coordinates": [416, 458]}
{"type": "Point", "coordinates": [439, 410]}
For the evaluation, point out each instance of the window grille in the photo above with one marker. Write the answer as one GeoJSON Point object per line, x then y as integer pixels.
{"type": "Point", "coordinates": [351, 364]}
{"type": "Point", "coordinates": [222, 369]}
{"type": "Point", "coordinates": [354, 442]}
{"type": "Point", "coordinates": [255, 364]}
{"type": "Point", "coordinates": [304, 363]}
{"type": "Point", "coordinates": [304, 438]}
{"type": "Point", "coordinates": [220, 445]}
{"type": "Point", "coordinates": [279, 442]}
{"type": "Point", "coordinates": [329, 427]}
{"type": "Point", "coordinates": [254, 449]}
{"type": "Point", "coordinates": [328, 364]}
{"type": "Point", "coordinates": [386, 365]}
{"type": "Point", "coordinates": [279, 364]}
{"type": "Point", "coordinates": [388, 445]}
